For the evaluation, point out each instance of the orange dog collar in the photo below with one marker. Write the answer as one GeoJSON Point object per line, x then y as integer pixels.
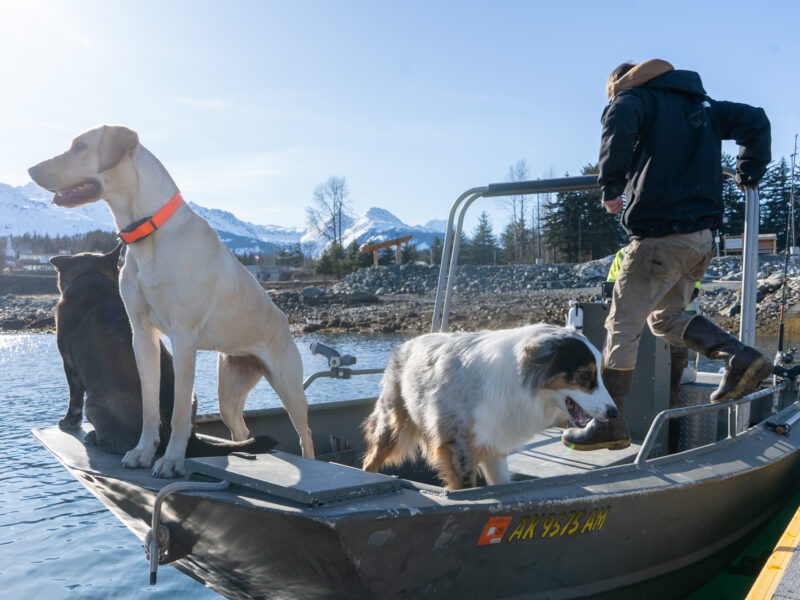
{"type": "Point", "coordinates": [142, 228]}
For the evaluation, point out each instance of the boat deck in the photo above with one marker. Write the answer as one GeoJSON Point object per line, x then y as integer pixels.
{"type": "Point", "coordinates": [546, 456]}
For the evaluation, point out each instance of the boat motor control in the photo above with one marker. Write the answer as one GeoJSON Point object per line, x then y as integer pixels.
{"type": "Point", "coordinates": [335, 360]}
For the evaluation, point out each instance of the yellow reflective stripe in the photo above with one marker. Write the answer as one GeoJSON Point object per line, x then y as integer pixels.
{"type": "Point", "coordinates": [772, 573]}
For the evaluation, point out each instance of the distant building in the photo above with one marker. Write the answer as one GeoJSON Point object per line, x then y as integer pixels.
{"type": "Point", "coordinates": [34, 262]}
{"type": "Point", "coordinates": [271, 272]}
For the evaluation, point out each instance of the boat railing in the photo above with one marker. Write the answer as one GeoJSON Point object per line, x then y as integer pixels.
{"type": "Point", "coordinates": [452, 243]}
{"type": "Point", "coordinates": [452, 239]}
{"type": "Point", "coordinates": [674, 413]}
{"type": "Point", "coordinates": [156, 542]}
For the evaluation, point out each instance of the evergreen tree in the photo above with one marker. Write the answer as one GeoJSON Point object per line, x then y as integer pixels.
{"type": "Point", "coordinates": [464, 251]}
{"type": "Point", "coordinates": [733, 202]}
{"type": "Point", "coordinates": [93, 241]}
{"type": "Point", "coordinates": [357, 258]}
{"type": "Point", "coordinates": [291, 256]}
{"type": "Point", "coordinates": [508, 243]}
{"type": "Point", "coordinates": [774, 194]}
{"type": "Point", "coordinates": [484, 244]}
{"type": "Point", "coordinates": [332, 261]}
{"type": "Point", "coordinates": [436, 251]}
{"type": "Point", "coordinates": [387, 256]}
{"type": "Point", "coordinates": [408, 253]}
{"type": "Point", "coordinates": [579, 228]}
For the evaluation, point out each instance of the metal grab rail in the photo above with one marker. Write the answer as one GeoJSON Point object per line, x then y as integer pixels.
{"type": "Point", "coordinates": [156, 542]}
{"type": "Point", "coordinates": [448, 242]}
{"type": "Point", "coordinates": [338, 373]}
{"type": "Point", "coordinates": [673, 413]}
{"type": "Point", "coordinates": [452, 239]}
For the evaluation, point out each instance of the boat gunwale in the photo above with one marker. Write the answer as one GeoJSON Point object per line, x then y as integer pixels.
{"type": "Point", "coordinates": [501, 495]}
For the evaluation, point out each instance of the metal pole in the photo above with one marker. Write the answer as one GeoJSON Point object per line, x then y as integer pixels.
{"type": "Point", "coordinates": [747, 325]}
{"type": "Point", "coordinates": [451, 277]}
{"type": "Point", "coordinates": [444, 267]}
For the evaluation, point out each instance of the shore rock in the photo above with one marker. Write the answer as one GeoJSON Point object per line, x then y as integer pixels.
{"type": "Point", "coordinates": [401, 298]}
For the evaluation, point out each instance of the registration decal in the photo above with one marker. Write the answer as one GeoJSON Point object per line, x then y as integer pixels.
{"type": "Point", "coordinates": [545, 525]}
{"type": "Point", "coordinates": [494, 531]}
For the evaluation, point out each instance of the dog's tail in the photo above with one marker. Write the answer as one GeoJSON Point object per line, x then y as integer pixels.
{"type": "Point", "coordinates": [200, 446]}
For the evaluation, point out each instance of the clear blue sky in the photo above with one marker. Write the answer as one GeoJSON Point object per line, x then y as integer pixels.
{"type": "Point", "coordinates": [250, 105]}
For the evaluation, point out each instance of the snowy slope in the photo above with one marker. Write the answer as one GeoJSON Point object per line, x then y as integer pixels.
{"type": "Point", "coordinates": [27, 209]}
{"type": "Point", "coordinates": [222, 220]}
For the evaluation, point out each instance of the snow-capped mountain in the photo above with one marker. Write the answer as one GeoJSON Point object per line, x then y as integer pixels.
{"type": "Point", "coordinates": [27, 209]}
{"type": "Point", "coordinates": [379, 225]}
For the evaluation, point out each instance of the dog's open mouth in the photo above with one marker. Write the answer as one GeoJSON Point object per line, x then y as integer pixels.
{"type": "Point", "coordinates": [576, 414]}
{"type": "Point", "coordinates": [83, 193]}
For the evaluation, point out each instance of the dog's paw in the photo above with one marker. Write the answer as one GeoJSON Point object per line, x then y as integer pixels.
{"type": "Point", "coordinates": [166, 468]}
{"type": "Point", "coordinates": [70, 421]}
{"type": "Point", "coordinates": [91, 438]}
{"type": "Point", "coordinates": [137, 459]}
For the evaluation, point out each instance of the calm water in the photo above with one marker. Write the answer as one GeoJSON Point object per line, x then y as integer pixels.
{"type": "Point", "coordinates": [58, 541]}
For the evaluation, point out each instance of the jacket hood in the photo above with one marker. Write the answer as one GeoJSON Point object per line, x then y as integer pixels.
{"type": "Point", "coordinates": [637, 76]}
{"type": "Point", "coordinates": [687, 82]}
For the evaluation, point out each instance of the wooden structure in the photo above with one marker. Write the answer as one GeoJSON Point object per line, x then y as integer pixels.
{"type": "Point", "coordinates": [375, 247]}
{"type": "Point", "coordinates": [767, 244]}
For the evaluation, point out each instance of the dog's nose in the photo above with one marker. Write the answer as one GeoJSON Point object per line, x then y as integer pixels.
{"type": "Point", "coordinates": [612, 412]}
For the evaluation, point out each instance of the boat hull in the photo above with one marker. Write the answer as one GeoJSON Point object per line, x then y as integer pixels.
{"type": "Point", "coordinates": [618, 531]}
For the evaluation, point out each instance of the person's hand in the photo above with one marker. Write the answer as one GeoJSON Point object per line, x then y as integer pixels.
{"type": "Point", "coordinates": [613, 206]}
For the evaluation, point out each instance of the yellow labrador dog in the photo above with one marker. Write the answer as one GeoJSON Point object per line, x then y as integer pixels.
{"type": "Point", "coordinates": [181, 280]}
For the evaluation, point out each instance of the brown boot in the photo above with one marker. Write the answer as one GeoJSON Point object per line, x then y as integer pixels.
{"type": "Point", "coordinates": [613, 434]}
{"type": "Point", "coordinates": [745, 367]}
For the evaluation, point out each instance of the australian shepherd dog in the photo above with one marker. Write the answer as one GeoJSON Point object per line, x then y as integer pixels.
{"type": "Point", "coordinates": [468, 399]}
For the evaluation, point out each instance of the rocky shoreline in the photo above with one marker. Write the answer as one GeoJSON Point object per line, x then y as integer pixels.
{"type": "Point", "coordinates": [401, 298]}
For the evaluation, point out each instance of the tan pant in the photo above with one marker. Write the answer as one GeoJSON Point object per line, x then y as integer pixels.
{"type": "Point", "coordinates": [655, 284]}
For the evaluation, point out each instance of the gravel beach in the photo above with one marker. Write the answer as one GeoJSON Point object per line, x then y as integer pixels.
{"type": "Point", "coordinates": [401, 298]}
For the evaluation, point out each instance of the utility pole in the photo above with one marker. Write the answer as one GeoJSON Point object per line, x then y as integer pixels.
{"type": "Point", "coordinates": [791, 194]}
{"type": "Point", "coordinates": [539, 224]}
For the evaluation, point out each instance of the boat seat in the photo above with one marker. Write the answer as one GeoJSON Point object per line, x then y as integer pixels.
{"type": "Point", "coordinates": [291, 477]}
{"type": "Point", "coordinates": [545, 456]}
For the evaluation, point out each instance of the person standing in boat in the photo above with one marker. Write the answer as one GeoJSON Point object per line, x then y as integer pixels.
{"type": "Point", "coordinates": [662, 145]}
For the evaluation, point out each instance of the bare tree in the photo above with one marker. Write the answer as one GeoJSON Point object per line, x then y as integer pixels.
{"type": "Point", "coordinates": [330, 206]}
{"type": "Point", "coordinates": [539, 211]}
{"type": "Point", "coordinates": [517, 206]}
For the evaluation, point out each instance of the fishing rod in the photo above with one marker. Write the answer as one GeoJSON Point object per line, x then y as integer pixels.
{"type": "Point", "coordinates": [789, 224]}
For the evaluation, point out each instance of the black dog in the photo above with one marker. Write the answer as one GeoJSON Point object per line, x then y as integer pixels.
{"type": "Point", "coordinates": [96, 345]}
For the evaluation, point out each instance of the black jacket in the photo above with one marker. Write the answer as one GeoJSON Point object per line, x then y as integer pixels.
{"type": "Point", "coordinates": [663, 141]}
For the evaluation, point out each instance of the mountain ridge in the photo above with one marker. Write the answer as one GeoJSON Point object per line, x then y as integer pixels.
{"type": "Point", "coordinates": [27, 209]}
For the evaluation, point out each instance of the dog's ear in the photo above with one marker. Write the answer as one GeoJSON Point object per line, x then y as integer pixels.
{"type": "Point", "coordinates": [59, 262]}
{"type": "Point", "coordinates": [113, 255]}
{"type": "Point", "coordinates": [110, 262]}
{"type": "Point", "coordinates": [535, 359]}
{"type": "Point", "coordinates": [115, 143]}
